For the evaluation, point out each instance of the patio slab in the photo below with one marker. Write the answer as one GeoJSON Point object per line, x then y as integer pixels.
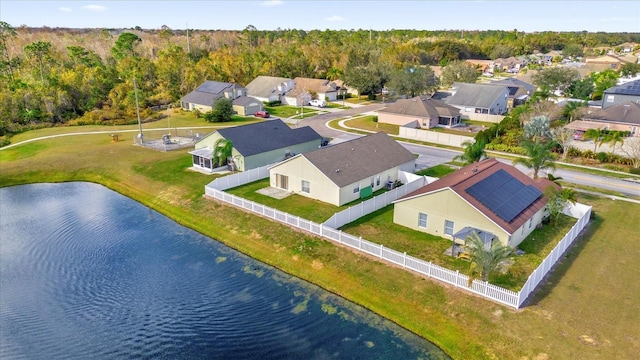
{"type": "Point", "coordinates": [274, 192]}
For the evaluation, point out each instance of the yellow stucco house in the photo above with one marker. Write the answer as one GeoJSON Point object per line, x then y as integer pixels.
{"type": "Point", "coordinates": [493, 199]}
{"type": "Point", "coordinates": [341, 173]}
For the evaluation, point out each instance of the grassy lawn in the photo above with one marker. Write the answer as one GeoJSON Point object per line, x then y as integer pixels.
{"type": "Point", "coordinates": [368, 123]}
{"type": "Point", "coordinates": [294, 204]}
{"type": "Point", "coordinates": [585, 309]}
{"type": "Point", "coordinates": [437, 171]}
{"type": "Point", "coordinates": [478, 123]}
{"type": "Point", "coordinates": [379, 227]}
{"type": "Point", "coordinates": [453, 131]}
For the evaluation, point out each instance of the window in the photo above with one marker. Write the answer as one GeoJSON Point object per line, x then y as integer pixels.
{"type": "Point", "coordinates": [530, 222]}
{"type": "Point", "coordinates": [356, 188]}
{"type": "Point", "coordinates": [448, 227]}
{"type": "Point", "coordinates": [305, 186]}
{"type": "Point", "coordinates": [372, 183]}
{"type": "Point", "coordinates": [378, 179]}
{"type": "Point", "coordinates": [610, 98]}
{"type": "Point", "coordinates": [422, 220]}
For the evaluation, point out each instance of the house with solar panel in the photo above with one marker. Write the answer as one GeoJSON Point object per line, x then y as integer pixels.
{"type": "Point", "coordinates": [341, 173]}
{"type": "Point", "coordinates": [204, 97]}
{"type": "Point", "coordinates": [256, 145]}
{"type": "Point", "coordinates": [493, 199]}
{"type": "Point", "coordinates": [621, 94]}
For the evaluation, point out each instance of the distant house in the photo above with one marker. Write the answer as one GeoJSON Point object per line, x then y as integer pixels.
{"type": "Point", "coordinates": [344, 172]}
{"type": "Point", "coordinates": [257, 144]}
{"type": "Point", "coordinates": [479, 98]}
{"type": "Point", "coordinates": [610, 61]}
{"type": "Point", "coordinates": [420, 112]}
{"type": "Point", "coordinates": [270, 88]}
{"type": "Point", "coordinates": [481, 65]}
{"type": "Point", "coordinates": [204, 97]}
{"type": "Point", "coordinates": [305, 87]}
{"type": "Point", "coordinates": [519, 91]}
{"type": "Point", "coordinates": [620, 117]}
{"type": "Point", "coordinates": [626, 92]}
{"type": "Point", "coordinates": [510, 64]}
{"type": "Point", "coordinates": [494, 199]}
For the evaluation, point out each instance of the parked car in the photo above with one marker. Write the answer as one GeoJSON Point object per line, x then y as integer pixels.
{"type": "Point", "coordinates": [579, 135]}
{"type": "Point", "coordinates": [262, 114]}
{"type": "Point", "coordinates": [318, 103]}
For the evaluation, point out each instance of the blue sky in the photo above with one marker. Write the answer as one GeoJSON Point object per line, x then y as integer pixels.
{"type": "Point", "coordinates": [596, 15]}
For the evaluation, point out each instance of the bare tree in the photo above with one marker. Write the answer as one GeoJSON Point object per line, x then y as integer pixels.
{"type": "Point", "coordinates": [563, 137]}
{"type": "Point", "coordinates": [631, 148]}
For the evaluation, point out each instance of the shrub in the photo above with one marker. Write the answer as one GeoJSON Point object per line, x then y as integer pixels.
{"type": "Point", "coordinates": [273, 103]}
{"type": "Point", "coordinates": [635, 171]}
{"type": "Point", "coordinates": [574, 152]}
{"type": "Point", "coordinates": [603, 157]}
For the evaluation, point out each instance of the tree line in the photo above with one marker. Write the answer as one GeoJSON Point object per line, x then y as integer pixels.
{"type": "Point", "coordinates": [89, 76]}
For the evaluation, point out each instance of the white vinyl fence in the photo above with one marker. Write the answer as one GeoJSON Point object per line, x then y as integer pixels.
{"type": "Point", "coordinates": [461, 281]}
{"type": "Point", "coordinates": [580, 211]}
{"type": "Point", "coordinates": [375, 203]}
{"type": "Point", "coordinates": [237, 179]}
{"type": "Point", "coordinates": [434, 136]}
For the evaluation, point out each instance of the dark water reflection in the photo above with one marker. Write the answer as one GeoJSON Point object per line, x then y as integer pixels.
{"type": "Point", "coordinates": [87, 273]}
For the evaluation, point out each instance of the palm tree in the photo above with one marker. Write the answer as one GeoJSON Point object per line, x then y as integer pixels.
{"type": "Point", "coordinates": [613, 138]}
{"type": "Point", "coordinates": [485, 260]}
{"type": "Point", "coordinates": [222, 150]}
{"type": "Point", "coordinates": [473, 152]}
{"type": "Point", "coordinates": [539, 157]}
{"type": "Point", "coordinates": [594, 134]}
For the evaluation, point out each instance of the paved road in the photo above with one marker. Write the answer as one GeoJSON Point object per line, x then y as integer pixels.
{"type": "Point", "coordinates": [430, 156]}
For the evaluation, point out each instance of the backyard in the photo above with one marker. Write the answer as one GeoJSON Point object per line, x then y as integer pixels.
{"type": "Point", "coordinates": [581, 311]}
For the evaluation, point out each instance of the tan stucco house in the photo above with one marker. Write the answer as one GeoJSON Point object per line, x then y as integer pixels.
{"type": "Point", "coordinates": [257, 144]}
{"type": "Point", "coordinates": [305, 87]}
{"type": "Point", "coordinates": [341, 173]}
{"type": "Point", "coordinates": [494, 199]}
{"type": "Point", "coordinates": [420, 112]}
{"type": "Point", "coordinates": [620, 117]}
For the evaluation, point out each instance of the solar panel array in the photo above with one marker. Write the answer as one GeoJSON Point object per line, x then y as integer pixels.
{"type": "Point", "coordinates": [631, 88]}
{"type": "Point", "coordinates": [213, 87]}
{"type": "Point", "coordinates": [504, 195]}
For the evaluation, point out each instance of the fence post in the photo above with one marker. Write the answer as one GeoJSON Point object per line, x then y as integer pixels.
{"type": "Point", "coordinates": [321, 226]}
{"type": "Point", "coordinates": [340, 236]}
{"type": "Point", "coordinates": [429, 268]}
{"type": "Point", "coordinates": [381, 246]}
{"type": "Point", "coordinates": [486, 285]}
{"type": "Point", "coordinates": [404, 260]}
{"type": "Point", "coordinates": [457, 275]}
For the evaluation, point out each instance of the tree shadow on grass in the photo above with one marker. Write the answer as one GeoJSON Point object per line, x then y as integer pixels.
{"type": "Point", "coordinates": [564, 263]}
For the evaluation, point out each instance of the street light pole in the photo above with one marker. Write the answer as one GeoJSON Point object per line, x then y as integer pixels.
{"type": "Point", "coordinates": [135, 90]}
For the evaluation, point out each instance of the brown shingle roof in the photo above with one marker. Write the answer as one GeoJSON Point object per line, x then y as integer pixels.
{"type": "Point", "coordinates": [470, 175]}
{"type": "Point", "coordinates": [319, 86]}
{"type": "Point", "coordinates": [357, 159]}
{"type": "Point", "coordinates": [628, 113]}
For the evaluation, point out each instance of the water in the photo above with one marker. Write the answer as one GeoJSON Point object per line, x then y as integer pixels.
{"type": "Point", "coordinates": [88, 273]}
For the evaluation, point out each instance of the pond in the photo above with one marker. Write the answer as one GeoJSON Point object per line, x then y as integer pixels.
{"type": "Point", "coordinates": [88, 273]}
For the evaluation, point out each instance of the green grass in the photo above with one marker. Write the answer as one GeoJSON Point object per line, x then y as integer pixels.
{"type": "Point", "coordinates": [583, 310]}
{"type": "Point", "coordinates": [437, 171]}
{"type": "Point", "coordinates": [294, 204]}
{"type": "Point", "coordinates": [379, 227]}
{"type": "Point", "coordinates": [367, 123]}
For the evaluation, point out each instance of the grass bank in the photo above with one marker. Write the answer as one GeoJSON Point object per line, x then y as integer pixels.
{"type": "Point", "coordinates": [581, 312]}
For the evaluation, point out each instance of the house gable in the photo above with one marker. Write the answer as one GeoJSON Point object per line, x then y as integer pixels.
{"type": "Point", "coordinates": [298, 169]}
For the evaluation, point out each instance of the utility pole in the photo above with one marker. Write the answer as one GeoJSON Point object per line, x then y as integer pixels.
{"type": "Point", "coordinates": [135, 90]}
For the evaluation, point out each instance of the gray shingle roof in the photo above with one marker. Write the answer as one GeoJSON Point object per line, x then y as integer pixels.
{"type": "Point", "coordinates": [515, 82]}
{"type": "Point", "coordinates": [630, 88]}
{"type": "Point", "coordinates": [245, 100]}
{"type": "Point", "coordinates": [627, 112]}
{"type": "Point", "coordinates": [266, 136]}
{"type": "Point", "coordinates": [265, 86]}
{"type": "Point", "coordinates": [476, 95]}
{"type": "Point", "coordinates": [422, 107]}
{"type": "Point", "coordinates": [357, 159]}
{"type": "Point", "coordinates": [207, 93]}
